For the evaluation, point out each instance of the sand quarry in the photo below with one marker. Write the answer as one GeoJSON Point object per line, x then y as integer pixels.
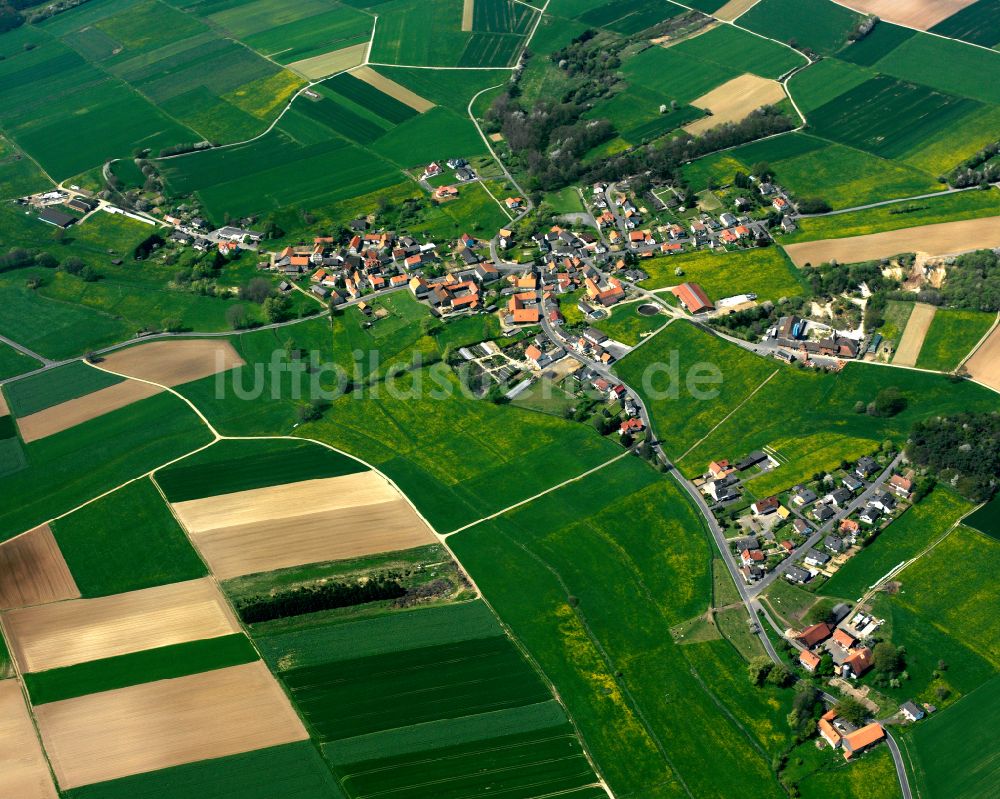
{"type": "Point", "coordinates": [32, 571]}
{"type": "Point", "coordinates": [912, 340]}
{"type": "Point", "coordinates": [173, 362]}
{"type": "Point", "coordinates": [166, 723]}
{"type": "Point", "coordinates": [297, 523]}
{"type": "Point", "coordinates": [24, 774]}
{"type": "Point", "coordinates": [393, 89]}
{"type": "Point", "coordinates": [984, 365]}
{"type": "Point", "coordinates": [921, 14]}
{"type": "Point", "coordinates": [82, 409]}
{"type": "Point", "coordinates": [734, 100]}
{"type": "Point", "coordinates": [944, 238]}
{"type": "Point", "coordinates": [79, 630]}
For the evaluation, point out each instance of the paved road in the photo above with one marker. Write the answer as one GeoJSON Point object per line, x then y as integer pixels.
{"type": "Point", "coordinates": [24, 350]}
{"type": "Point", "coordinates": [897, 759]}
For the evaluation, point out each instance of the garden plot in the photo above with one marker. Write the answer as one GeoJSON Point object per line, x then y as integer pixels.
{"type": "Point", "coordinates": [24, 773]}
{"type": "Point", "coordinates": [921, 14]}
{"type": "Point", "coordinates": [941, 239]}
{"type": "Point", "coordinates": [68, 414]}
{"type": "Point", "coordinates": [79, 630]}
{"type": "Point", "coordinates": [33, 571]}
{"type": "Point", "coordinates": [914, 334]}
{"type": "Point", "coordinates": [305, 522]}
{"type": "Point", "coordinates": [734, 100]}
{"type": "Point", "coordinates": [166, 723]}
{"type": "Point", "coordinates": [171, 363]}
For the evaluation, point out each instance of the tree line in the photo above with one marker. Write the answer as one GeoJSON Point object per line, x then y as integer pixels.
{"type": "Point", "coordinates": [312, 598]}
{"type": "Point", "coordinates": [962, 450]}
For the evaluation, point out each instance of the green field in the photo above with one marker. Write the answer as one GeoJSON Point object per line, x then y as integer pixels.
{"type": "Point", "coordinates": [630, 18]}
{"type": "Point", "coordinates": [817, 24]}
{"type": "Point", "coordinates": [902, 540]}
{"type": "Point", "coordinates": [978, 23]}
{"type": "Point", "coordinates": [627, 537]}
{"type": "Point", "coordinates": [230, 466]}
{"type": "Point", "coordinates": [14, 363]}
{"type": "Point", "coordinates": [729, 47]}
{"type": "Point", "coordinates": [987, 519]}
{"type": "Point", "coordinates": [764, 270]}
{"type": "Point", "coordinates": [885, 38]}
{"type": "Point", "coordinates": [54, 386]}
{"type": "Point", "coordinates": [897, 314]}
{"type": "Point", "coordinates": [806, 442]}
{"type": "Point", "coordinates": [19, 174]}
{"type": "Point", "coordinates": [972, 204]}
{"type": "Point", "coordinates": [79, 464]}
{"type": "Point", "coordinates": [889, 117]}
{"type": "Point", "coordinates": [163, 663]}
{"type": "Point", "coordinates": [824, 81]}
{"type": "Point", "coordinates": [951, 336]}
{"type": "Point", "coordinates": [871, 776]}
{"type": "Point", "coordinates": [945, 65]}
{"type": "Point", "coordinates": [677, 75]}
{"type": "Point", "coordinates": [451, 88]}
{"type": "Point", "coordinates": [627, 325]}
{"type": "Point", "coordinates": [954, 754]}
{"type": "Point", "coordinates": [292, 771]}
{"type": "Point", "coordinates": [126, 541]}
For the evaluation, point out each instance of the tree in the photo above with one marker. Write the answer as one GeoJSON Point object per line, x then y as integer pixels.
{"type": "Point", "coordinates": [889, 401]}
{"type": "Point", "coordinates": [276, 308]}
{"type": "Point", "coordinates": [72, 265]}
{"type": "Point", "coordinates": [257, 290]}
{"type": "Point", "coordinates": [46, 260]}
{"type": "Point", "coordinates": [89, 274]}
{"type": "Point", "coordinates": [759, 669]}
{"type": "Point", "coordinates": [887, 659]}
{"type": "Point", "coordinates": [312, 411]}
{"type": "Point", "coordinates": [851, 709]}
{"type": "Point", "coordinates": [236, 317]}
{"type": "Point", "coordinates": [780, 676]}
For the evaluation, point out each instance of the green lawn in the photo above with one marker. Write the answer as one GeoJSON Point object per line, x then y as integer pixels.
{"type": "Point", "coordinates": [126, 541]}
{"type": "Point", "coordinates": [230, 466]}
{"type": "Point", "coordinates": [14, 363]}
{"type": "Point", "coordinates": [55, 386]}
{"type": "Point", "coordinates": [951, 336]}
{"type": "Point", "coordinates": [871, 776]}
{"type": "Point", "coordinates": [629, 326]}
{"type": "Point", "coordinates": [163, 663]}
{"type": "Point", "coordinates": [897, 314]}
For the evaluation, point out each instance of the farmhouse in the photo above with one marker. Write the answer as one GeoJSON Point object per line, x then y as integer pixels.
{"type": "Point", "coordinates": [808, 660]}
{"type": "Point", "coordinates": [860, 740]}
{"type": "Point", "coordinates": [816, 634]}
{"type": "Point", "coordinates": [693, 297]}
{"type": "Point", "coordinates": [57, 218]}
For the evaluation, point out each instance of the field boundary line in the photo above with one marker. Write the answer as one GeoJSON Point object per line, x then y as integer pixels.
{"type": "Point", "coordinates": [425, 66]}
{"type": "Point", "coordinates": [539, 494]}
{"type": "Point", "coordinates": [722, 421]}
{"type": "Point", "coordinates": [371, 42]}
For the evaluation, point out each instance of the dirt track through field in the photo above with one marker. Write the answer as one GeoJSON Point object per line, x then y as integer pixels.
{"type": "Point", "coordinates": [306, 522]}
{"type": "Point", "coordinates": [468, 10]}
{"type": "Point", "coordinates": [984, 365]}
{"type": "Point", "coordinates": [79, 630]}
{"type": "Point", "coordinates": [24, 774]}
{"type": "Point", "coordinates": [319, 66]}
{"type": "Point", "coordinates": [166, 723]}
{"type": "Point", "coordinates": [393, 89]}
{"type": "Point", "coordinates": [944, 238]}
{"type": "Point", "coordinates": [913, 336]}
{"type": "Point", "coordinates": [922, 14]}
{"type": "Point", "coordinates": [33, 571]}
{"type": "Point", "coordinates": [82, 409]}
{"type": "Point", "coordinates": [734, 9]}
{"type": "Point", "coordinates": [171, 363]}
{"type": "Point", "coordinates": [734, 100]}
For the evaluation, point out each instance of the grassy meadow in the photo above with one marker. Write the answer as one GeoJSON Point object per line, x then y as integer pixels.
{"type": "Point", "coordinates": [951, 336]}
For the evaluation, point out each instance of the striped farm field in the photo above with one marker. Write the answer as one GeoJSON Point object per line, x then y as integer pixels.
{"type": "Point", "coordinates": [33, 571]}
{"type": "Point", "coordinates": [367, 95]}
{"type": "Point", "coordinates": [54, 386]}
{"type": "Point", "coordinates": [167, 723]}
{"type": "Point", "coordinates": [80, 630]}
{"type": "Point", "coordinates": [310, 521]}
{"type": "Point", "coordinates": [389, 87]}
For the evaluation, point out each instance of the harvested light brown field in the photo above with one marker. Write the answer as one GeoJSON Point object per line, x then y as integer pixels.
{"type": "Point", "coordinates": [82, 409]}
{"type": "Point", "coordinates": [944, 238]}
{"type": "Point", "coordinates": [914, 334]}
{"type": "Point", "coordinates": [734, 9]}
{"type": "Point", "coordinates": [79, 630]}
{"type": "Point", "coordinates": [24, 773]}
{"type": "Point", "coordinates": [393, 89]}
{"type": "Point", "coordinates": [171, 363]}
{"type": "Point", "coordinates": [321, 66]}
{"type": "Point", "coordinates": [305, 522]}
{"type": "Point", "coordinates": [734, 100]}
{"type": "Point", "coordinates": [984, 365]}
{"type": "Point", "coordinates": [4, 410]}
{"type": "Point", "coordinates": [166, 723]}
{"type": "Point", "coordinates": [922, 14]}
{"type": "Point", "coordinates": [33, 571]}
{"type": "Point", "coordinates": [468, 9]}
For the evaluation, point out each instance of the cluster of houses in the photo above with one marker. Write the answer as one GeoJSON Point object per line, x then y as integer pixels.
{"type": "Point", "coordinates": [791, 336]}
{"type": "Point", "coordinates": [851, 657]}
{"type": "Point", "coordinates": [841, 734]}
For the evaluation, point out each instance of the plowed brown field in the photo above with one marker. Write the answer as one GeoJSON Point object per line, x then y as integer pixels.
{"type": "Point", "coordinates": [76, 411]}
{"type": "Point", "coordinates": [171, 363]}
{"type": "Point", "coordinates": [32, 570]}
